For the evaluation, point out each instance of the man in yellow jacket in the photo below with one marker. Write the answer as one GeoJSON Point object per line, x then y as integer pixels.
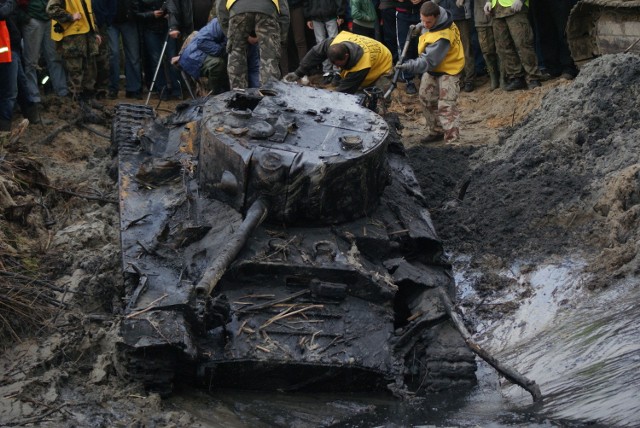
{"type": "Point", "coordinates": [441, 60]}
{"type": "Point", "coordinates": [363, 61]}
{"type": "Point", "coordinates": [73, 27]}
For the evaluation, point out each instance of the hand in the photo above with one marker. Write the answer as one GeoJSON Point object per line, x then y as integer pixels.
{"type": "Point", "coordinates": [459, 3]}
{"type": "Point", "coordinates": [516, 6]}
{"type": "Point", "coordinates": [76, 16]}
{"type": "Point", "coordinates": [158, 13]}
{"type": "Point", "coordinates": [174, 34]}
{"type": "Point", "coordinates": [401, 67]}
{"type": "Point", "coordinates": [252, 40]}
{"type": "Point", "coordinates": [291, 77]}
{"type": "Point", "coordinates": [98, 39]}
{"type": "Point", "coordinates": [310, 25]}
{"type": "Point", "coordinates": [339, 21]}
{"type": "Point", "coordinates": [487, 8]}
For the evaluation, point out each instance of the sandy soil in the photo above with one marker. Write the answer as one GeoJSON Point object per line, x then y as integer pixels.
{"type": "Point", "coordinates": [529, 177]}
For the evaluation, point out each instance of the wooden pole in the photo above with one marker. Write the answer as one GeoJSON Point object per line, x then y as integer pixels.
{"type": "Point", "coordinates": [508, 372]}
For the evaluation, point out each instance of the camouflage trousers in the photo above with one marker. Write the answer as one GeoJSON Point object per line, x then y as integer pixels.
{"type": "Point", "coordinates": [439, 97]}
{"type": "Point", "coordinates": [267, 30]}
{"type": "Point", "coordinates": [514, 44]}
{"type": "Point", "coordinates": [79, 53]}
{"type": "Point", "coordinates": [488, 47]}
{"type": "Point", "coordinates": [102, 61]}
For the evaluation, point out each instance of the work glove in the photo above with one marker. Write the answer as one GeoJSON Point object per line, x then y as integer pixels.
{"type": "Point", "coordinates": [459, 3]}
{"type": "Point", "coordinates": [402, 67]}
{"type": "Point", "coordinates": [516, 6]}
{"type": "Point", "coordinates": [291, 77]}
{"type": "Point", "coordinates": [416, 30]}
{"type": "Point", "coordinates": [487, 8]}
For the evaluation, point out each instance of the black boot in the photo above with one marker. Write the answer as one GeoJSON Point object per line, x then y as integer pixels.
{"type": "Point", "coordinates": [32, 112]}
{"type": "Point", "coordinates": [515, 84]}
{"type": "Point", "coordinates": [5, 125]}
{"type": "Point", "coordinates": [89, 98]}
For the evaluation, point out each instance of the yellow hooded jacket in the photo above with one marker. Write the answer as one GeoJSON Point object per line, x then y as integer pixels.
{"type": "Point", "coordinates": [81, 26]}
{"type": "Point", "coordinates": [453, 63]}
{"type": "Point", "coordinates": [376, 56]}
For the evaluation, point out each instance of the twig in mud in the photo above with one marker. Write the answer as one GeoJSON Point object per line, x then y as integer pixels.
{"type": "Point", "coordinates": [71, 193]}
{"type": "Point", "coordinates": [98, 133]}
{"type": "Point", "coordinates": [53, 134]}
{"type": "Point", "coordinates": [39, 418]}
{"type": "Point", "coordinates": [287, 314]}
{"type": "Point", "coordinates": [148, 308]}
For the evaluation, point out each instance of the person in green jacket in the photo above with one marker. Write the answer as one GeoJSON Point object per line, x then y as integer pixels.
{"type": "Point", "coordinates": [364, 16]}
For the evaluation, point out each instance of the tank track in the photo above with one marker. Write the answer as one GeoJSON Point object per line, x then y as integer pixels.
{"type": "Point", "coordinates": [153, 367]}
{"type": "Point", "coordinates": [127, 122]}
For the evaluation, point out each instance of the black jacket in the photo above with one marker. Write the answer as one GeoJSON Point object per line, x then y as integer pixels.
{"type": "Point", "coordinates": [323, 10]}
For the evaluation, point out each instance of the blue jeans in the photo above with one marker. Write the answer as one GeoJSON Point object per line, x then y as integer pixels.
{"type": "Point", "coordinates": [253, 66]}
{"type": "Point", "coordinates": [8, 86]}
{"type": "Point", "coordinates": [153, 43]}
{"type": "Point", "coordinates": [36, 39]}
{"type": "Point", "coordinates": [132, 63]}
{"type": "Point", "coordinates": [403, 21]}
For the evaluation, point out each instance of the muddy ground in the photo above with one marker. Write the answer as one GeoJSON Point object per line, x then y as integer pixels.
{"type": "Point", "coordinates": [536, 174]}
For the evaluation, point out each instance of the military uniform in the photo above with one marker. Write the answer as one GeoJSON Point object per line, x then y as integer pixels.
{"type": "Point", "coordinates": [77, 42]}
{"type": "Point", "coordinates": [266, 19]}
{"type": "Point", "coordinates": [514, 41]}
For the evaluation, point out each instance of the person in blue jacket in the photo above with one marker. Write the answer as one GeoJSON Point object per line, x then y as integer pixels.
{"type": "Point", "coordinates": [204, 55]}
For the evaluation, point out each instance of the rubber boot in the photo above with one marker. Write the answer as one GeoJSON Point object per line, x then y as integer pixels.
{"type": "Point", "coordinates": [32, 112]}
{"type": "Point", "coordinates": [494, 74]}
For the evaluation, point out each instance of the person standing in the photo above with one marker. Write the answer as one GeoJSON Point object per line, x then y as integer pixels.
{"type": "Point", "coordinates": [514, 43]}
{"type": "Point", "coordinates": [407, 14]}
{"type": "Point", "coordinates": [460, 11]}
{"type": "Point", "coordinates": [364, 17]}
{"type": "Point", "coordinates": [152, 16]}
{"type": "Point", "coordinates": [268, 20]}
{"type": "Point", "coordinates": [441, 61]}
{"type": "Point", "coordinates": [325, 17]}
{"type": "Point", "coordinates": [297, 26]}
{"type": "Point", "coordinates": [9, 52]}
{"type": "Point", "coordinates": [124, 27]}
{"type": "Point", "coordinates": [486, 40]}
{"type": "Point", "coordinates": [388, 16]}
{"type": "Point", "coordinates": [74, 28]}
{"type": "Point", "coordinates": [36, 32]}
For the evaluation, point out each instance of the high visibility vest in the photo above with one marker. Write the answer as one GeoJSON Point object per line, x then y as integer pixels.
{"type": "Point", "coordinates": [81, 26]}
{"type": "Point", "coordinates": [376, 57]}
{"type": "Point", "coordinates": [231, 2]}
{"type": "Point", "coordinates": [506, 3]}
{"type": "Point", "coordinates": [5, 43]}
{"type": "Point", "coordinates": [453, 62]}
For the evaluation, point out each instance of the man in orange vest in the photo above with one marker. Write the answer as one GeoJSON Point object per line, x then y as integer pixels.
{"type": "Point", "coordinates": [363, 61]}
{"type": "Point", "coordinates": [441, 61]}
{"type": "Point", "coordinates": [9, 38]}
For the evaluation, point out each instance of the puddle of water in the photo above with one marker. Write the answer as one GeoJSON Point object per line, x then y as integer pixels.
{"type": "Point", "coordinates": [582, 348]}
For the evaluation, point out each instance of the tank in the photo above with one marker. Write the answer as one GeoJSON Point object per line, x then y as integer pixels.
{"type": "Point", "coordinates": [599, 27]}
{"type": "Point", "coordinates": [277, 239]}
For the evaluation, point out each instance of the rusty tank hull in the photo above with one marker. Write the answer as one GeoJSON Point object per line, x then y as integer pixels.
{"type": "Point", "coordinates": [278, 239]}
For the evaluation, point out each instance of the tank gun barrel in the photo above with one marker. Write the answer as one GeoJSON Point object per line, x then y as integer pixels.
{"type": "Point", "coordinates": [256, 214]}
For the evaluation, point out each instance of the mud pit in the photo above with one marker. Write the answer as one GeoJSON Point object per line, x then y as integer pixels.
{"type": "Point", "coordinates": [562, 181]}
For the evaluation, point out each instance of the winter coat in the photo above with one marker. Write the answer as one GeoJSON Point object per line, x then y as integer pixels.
{"type": "Point", "coordinates": [324, 10]}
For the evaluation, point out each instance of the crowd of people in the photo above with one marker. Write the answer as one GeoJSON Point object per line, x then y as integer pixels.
{"type": "Point", "coordinates": [79, 46]}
